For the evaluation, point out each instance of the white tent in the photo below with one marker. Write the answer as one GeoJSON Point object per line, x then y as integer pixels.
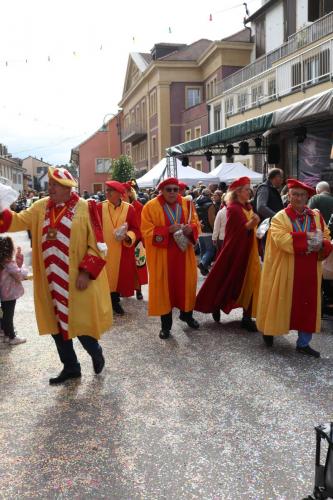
{"type": "Point", "coordinates": [228, 172]}
{"type": "Point", "coordinates": [189, 175]}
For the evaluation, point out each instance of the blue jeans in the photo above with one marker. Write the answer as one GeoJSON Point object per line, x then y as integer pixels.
{"type": "Point", "coordinates": [304, 339]}
{"type": "Point", "coordinates": [207, 250]}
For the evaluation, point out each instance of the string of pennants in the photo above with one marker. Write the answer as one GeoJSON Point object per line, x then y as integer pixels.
{"type": "Point", "coordinates": [100, 48]}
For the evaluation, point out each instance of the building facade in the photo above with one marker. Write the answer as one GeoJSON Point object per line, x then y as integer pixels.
{"type": "Point", "coordinates": [94, 156]}
{"type": "Point", "coordinates": [165, 94]}
{"type": "Point", "coordinates": [35, 169]}
{"type": "Point", "coordinates": [291, 69]}
{"type": "Point", "coordinates": [11, 170]}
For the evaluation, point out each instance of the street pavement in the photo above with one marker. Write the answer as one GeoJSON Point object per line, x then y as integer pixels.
{"type": "Point", "coordinates": [208, 414]}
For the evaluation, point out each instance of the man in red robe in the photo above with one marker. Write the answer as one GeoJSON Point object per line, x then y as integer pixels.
{"type": "Point", "coordinates": [120, 231]}
{"type": "Point", "coordinates": [234, 279]}
{"type": "Point", "coordinates": [166, 220]}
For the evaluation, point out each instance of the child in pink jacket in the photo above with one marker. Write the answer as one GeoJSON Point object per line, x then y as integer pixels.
{"type": "Point", "coordinates": [12, 273]}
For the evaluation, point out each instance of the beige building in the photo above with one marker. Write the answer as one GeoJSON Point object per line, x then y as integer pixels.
{"type": "Point", "coordinates": [35, 168]}
{"type": "Point", "coordinates": [291, 62]}
{"type": "Point", "coordinates": [11, 170]}
{"type": "Point", "coordinates": [165, 93]}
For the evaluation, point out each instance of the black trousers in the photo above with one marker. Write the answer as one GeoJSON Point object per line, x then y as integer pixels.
{"type": "Point", "coordinates": [166, 319]}
{"type": "Point", "coordinates": [67, 354]}
{"type": "Point", "coordinates": [115, 298]}
{"type": "Point", "coordinates": [7, 321]}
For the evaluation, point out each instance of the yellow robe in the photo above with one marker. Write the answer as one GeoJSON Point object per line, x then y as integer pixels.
{"type": "Point", "coordinates": [90, 311]}
{"type": "Point", "coordinates": [277, 278]}
{"type": "Point", "coordinates": [112, 218]}
{"type": "Point", "coordinates": [157, 260]}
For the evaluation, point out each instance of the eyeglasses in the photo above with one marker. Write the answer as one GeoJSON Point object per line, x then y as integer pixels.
{"type": "Point", "coordinates": [172, 190]}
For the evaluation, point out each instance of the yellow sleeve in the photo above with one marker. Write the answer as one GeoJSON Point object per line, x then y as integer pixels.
{"type": "Point", "coordinates": [281, 234]}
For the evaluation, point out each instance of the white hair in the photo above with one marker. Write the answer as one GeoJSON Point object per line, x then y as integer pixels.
{"type": "Point", "coordinates": [323, 187]}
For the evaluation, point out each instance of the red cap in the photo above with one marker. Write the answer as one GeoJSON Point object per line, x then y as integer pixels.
{"type": "Point", "coordinates": [167, 182]}
{"type": "Point", "coordinates": [242, 181]}
{"type": "Point", "coordinates": [294, 183]}
{"type": "Point", "coordinates": [127, 185]}
{"type": "Point", "coordinates": [117, 186]}
{"type": "Point", "coordinates": [182, 185]}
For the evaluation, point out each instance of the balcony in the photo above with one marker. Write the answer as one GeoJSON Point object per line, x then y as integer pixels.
{"type": "Point", "coordinates": [310, 34]}
{"type": "Point", "coordinates": [135, 132]}
{"type": "Point", "coordinates": [312, 67]}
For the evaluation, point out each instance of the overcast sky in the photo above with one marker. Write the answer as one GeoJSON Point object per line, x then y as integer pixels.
{"type": "Point", "coordinates": [63, 63]}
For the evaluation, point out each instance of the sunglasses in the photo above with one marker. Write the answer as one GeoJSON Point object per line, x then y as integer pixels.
{"type": "Point", "coordinates": [172, 190]}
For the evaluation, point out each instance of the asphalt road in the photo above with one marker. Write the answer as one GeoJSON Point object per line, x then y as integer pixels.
{"type": "Point", "coordinates": [208, 414]}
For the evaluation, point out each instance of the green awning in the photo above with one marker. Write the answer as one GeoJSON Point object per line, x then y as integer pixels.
{"type": "Point", "coordinates": [241, 131]}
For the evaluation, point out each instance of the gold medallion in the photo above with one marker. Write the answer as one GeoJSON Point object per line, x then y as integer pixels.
{"type": "Point", "coordinates": [51, 234]}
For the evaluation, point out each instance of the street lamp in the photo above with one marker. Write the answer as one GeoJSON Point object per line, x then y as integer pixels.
{"type": "Point", "coordinates": [104, 127]}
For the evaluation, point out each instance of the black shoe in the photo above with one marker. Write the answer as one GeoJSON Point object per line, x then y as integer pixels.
{"type": "Point", "coordinates": [139, 295]}
{"type": "Point", "coordinates": [217, 316]}
{"type": "Point", "coordinates": [203, 270]}
{"type": "Point", "coordinates": [249, 325]}
{"type": "Point", "coordinates": [98, 362]}
{"type": "Point", "coordinates": [268, 339]}
{"type": "Point", "coordinates": [192, 323]}
{"type": "Point", "coordinates": [63, 376]}
{"type": "Point", "coordinates": [118, 309]}
{"type": "Point", "coordinates": [164, 334]}
{"type": "Point", "coordinates": [308, 351]}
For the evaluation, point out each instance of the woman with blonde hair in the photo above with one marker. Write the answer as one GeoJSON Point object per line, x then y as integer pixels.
{"type": "Point", "coordinates": [234, 279]}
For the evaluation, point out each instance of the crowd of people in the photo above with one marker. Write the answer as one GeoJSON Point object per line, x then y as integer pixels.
{"type": "Point", "coordinates": [89, 252]}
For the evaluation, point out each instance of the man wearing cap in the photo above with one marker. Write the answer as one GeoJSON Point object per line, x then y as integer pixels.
{"type": "Point", "coordinates": [170, 229]}
{"type": "Point", "coordinates": [121, 231]}
{"type": "Point", "coordinates": [290, 291]}
{"type": "Point", "coordinates": [70, 283]}
{"type": "Point", "coordinates": [234, 279]}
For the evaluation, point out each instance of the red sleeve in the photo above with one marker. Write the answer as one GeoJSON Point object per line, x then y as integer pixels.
{"type": "Point", "coordinates": [5, 221]}
{"type": "Point", "coordinates": [133, 222]}
{"type": "Point", "coordinates": [92, 265]}
{"type": "Point", "coordinates": [327, 249]}
{"type": "Point", "coordinates": [300, 243]}
{"type": "Point", "coordinates": [161, 236]}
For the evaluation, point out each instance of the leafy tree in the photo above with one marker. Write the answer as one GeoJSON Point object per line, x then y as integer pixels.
{"type": "Point", "coordinates": [122, 169]}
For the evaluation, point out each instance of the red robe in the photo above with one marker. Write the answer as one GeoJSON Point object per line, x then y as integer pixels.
{"type": "Point", "coordinates": [226, 281]}
{"type": "Point", "coordinates": [141, 270]}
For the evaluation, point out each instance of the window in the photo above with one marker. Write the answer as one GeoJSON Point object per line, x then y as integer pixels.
{"type": "Point", "coordinates": [14, 179]}
{"type": "Point", "coordinates": [272, 88]}
{"type": "Point", "coordinates": [260, 37]}
{"type": "Point", "coordinates": [242, 101]}
{"type": "Point", "coordinates": [188, 135]}
{"type": "Point", "coordinates": [103, 165]}
{"type": "Point", "coordinates": [143, 112]}
{"type": "Point", "coordinates": [198, 165]}
{"type": "Point", "coordinates": [153, 103]}
{"type": "Point", "coordinates": [97, 187]}
{"type": "Point", "coordinates": [257, 92]}
{"type": "Point", "coordinates": [197, 132]}
{"type": "Point", "coordinates": [135, 151]}
{"type": "Point", "coordinates": [217, 118]}
{"type": "Point", "coordinates": [319, 8]}
{"type": "Point", "coordinates": [229, 106]}
{"type": "Point", "coordinates": [153, 146]}
{"type": "Point", "coordinates": [193, 96]}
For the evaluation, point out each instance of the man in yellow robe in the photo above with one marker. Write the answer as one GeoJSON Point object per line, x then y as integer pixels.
{"type": "Point", "coordinates": [290, 290]}
{"type": "Point", "coordinates": [172, 271]}
{"type": "Point", "coordinates": [70, 283]}
{"type": "Point", "coordinates": [121, 232]}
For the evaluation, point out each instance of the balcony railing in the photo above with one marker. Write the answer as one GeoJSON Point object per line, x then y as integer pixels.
{"type": "Point", "coordinates": [133, 133]}
{"type": "Point", "coordinates": [312, 67]}
{"type": "Point", "coordinates": [312, 33]}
